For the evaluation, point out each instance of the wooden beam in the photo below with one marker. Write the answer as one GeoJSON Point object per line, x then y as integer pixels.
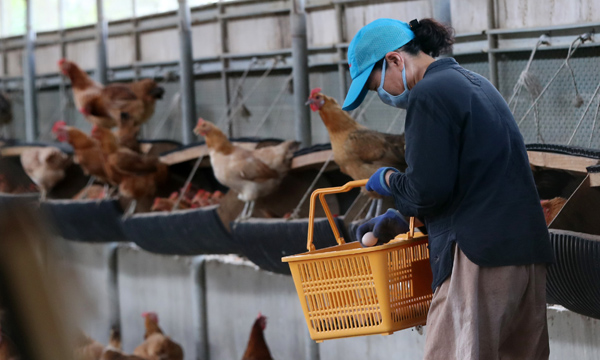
{"type": "Point", "coordinates": [195, 152]}
{"type": "Point", "coordinates": [313, 160]}
{"type": "Point", "coordinates": [15, 150]}
{"type": "Point", "coordinates": [595, 179]}
{"type": "Point", "coordinates": [560, 161]}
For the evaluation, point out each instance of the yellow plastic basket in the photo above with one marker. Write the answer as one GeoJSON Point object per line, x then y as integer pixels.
{"type": "Point", "coordinates": [346, 290]}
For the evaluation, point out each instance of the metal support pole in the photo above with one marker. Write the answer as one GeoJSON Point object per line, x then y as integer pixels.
{"type": "Point", "coordinates": [186, 72]}
{"type": "Point", "coordinates": [339, 18]}
{"type": "Point", "coordinates": [63, 54]}
{"type": "Point", "coordinates": [101, 39]}
{"type": "Point", "coordinates": [113, 286]}
{"type": "Point", "coordinates": [31, 113]}
{"type": "Point", "coordinates": [300, 66]}
{"type": "Point", "coordinates": [441, 11]}
{"type": "Point", "coordinates": [492, 42]}
{"type": "Point", "coordinates": [136, 40]}
{"type": "Point", "coordinates": [3, 67]}
{"type": "Point", "coordinates": [200, 313]}
{"type": "Point", "coordinates": [443, 14]}
{"type": "Point", "coordinates": [225, 63]}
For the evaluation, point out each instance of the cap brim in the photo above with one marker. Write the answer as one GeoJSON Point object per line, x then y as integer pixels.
{"type": "Point", "coordinates": [358, 90]}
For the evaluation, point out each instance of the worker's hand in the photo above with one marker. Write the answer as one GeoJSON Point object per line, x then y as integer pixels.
{"type": "Point", "coordinates": [377, 181]}
{"type": "Point", "coordinates": [384, 227]}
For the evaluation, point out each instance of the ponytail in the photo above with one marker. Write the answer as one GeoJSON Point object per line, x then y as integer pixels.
{"type": "Point", "coordinates": [431, 37]}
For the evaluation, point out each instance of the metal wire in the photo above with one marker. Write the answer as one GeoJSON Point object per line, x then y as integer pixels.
{"type": "Point", "coordinates": [583, 115]}
{"type": "Point", "coordinates": [172, 107]}
{"type": "Point", "coordinates": [361, 111]}
{"type": "Point", "coordinates": [400, 113]}
{"type": "Point", "coordinates": [236, 91]}
{"type": "Point", "coordinates": [519, 85]}
{"type": "Point", "coordinates": [296, 211]}
{"type": "Point", "coordinates": [188, 181]}
{"type": "Point", "coordinates": [570, 53]}
{"type": "Point", "coordinates": [275, 101]}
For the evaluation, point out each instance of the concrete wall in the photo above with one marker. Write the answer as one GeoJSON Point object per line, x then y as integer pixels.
{"type": "Point", "coordinates": [235, 292]}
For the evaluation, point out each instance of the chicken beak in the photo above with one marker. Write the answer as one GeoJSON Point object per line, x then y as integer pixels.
{"type": "Point", "coordinates": [310, 101]}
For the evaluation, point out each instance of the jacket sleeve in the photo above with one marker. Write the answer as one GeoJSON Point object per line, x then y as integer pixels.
{"type": "Point", "coordinates": [432, 155]}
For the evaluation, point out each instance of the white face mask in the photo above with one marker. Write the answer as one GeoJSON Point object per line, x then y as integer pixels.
{"type": "Point", "coordinates": [399, 101]}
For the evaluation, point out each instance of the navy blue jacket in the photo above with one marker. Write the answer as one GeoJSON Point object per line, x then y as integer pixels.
{"type": "Point", "coordinates": [468, 175]}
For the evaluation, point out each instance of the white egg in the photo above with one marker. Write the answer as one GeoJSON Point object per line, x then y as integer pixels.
{"type": "Point", "coordinates": [369, 239]}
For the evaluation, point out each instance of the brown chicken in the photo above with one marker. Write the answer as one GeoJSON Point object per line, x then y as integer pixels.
{"type": "Point", "coordinates": [87, 348]}
{"type": "Point", "coordinates": [45, 166]}
{"type": "Point", "coordinates": [552, 208]}
{"type": "Point", "coordinates": [156, 345]}
{"type": "Point", "coordinates": [127, 134]}
{"type": "Point", "coordinates": [114, 350]}
{"type": "Point", "coordinates": [257, 348]}
{"type": "Point", "coordinates": [88, 153]}
{"type": "Point", "coordinates": [251, 174]}
{"type": "Point", "coordinates": [6, 114]}
{"type": "Point", "coordinates": [101, 105]}
{"type": "Point", "coordinates": [148, 91]}
{"type": "Point", "coordinates": [136, 175]}
{"type": "Point", "coordinates": [357, 150]}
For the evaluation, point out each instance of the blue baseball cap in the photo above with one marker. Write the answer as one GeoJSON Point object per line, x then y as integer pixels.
{"type": "Point", "coordinates": [370, 45]}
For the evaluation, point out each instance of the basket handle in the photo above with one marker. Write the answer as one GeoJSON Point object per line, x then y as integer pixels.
{"type": "Point", "coordinates": [336, 190]}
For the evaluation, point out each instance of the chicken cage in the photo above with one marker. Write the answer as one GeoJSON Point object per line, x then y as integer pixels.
{"type": "Point", "coordinates": [346, 290]}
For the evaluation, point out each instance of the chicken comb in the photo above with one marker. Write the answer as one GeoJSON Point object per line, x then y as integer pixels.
{"type": "Point", "coordinates": [57, 125]}
{"type": "Point", "coordinates": [315, 91]}
{"type": "Point", "coordinates": [61, 61]}
{"type": "Point", "coordinates": [201, 121]}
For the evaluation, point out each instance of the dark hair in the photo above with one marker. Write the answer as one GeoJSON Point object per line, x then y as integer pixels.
{"type": "Point", "coordinates": [431, 37]}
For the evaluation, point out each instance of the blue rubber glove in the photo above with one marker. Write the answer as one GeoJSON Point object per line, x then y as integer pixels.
{"type": "Point", "coordinates": [377, 182]}
{"type": "Point", "coordinates": [384, 227]}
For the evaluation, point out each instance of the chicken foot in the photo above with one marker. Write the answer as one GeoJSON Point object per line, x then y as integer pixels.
{"type": "Point", "coordinates": [131, 209]}
{"type": "Point", "coordinates": [87, 187]}
{"type": "Point", "coordinates": [246, 211]}
{"type": "Point", "coordinates": [43, 194]}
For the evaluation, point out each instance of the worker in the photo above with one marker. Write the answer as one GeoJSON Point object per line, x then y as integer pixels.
{"type": "Point", "coordinates": [469, 180]}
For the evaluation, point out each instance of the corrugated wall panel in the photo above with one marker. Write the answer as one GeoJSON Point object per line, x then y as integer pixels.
{"type": "Point", "coordinates": [83, 53]}
{"type": "Point", "coordinates": [163, 284]}
{"type": "Point", "coordinates": [268, 33]}
{"type": "Point", "coordinates": [121, 50]}
{"type": "Point", "coordinates": [160, 45]}
{"type": "Point", "coordinates": [14, 63]}
{"type": "Point", "coordinates": [280, 123]}
{"type": "Point", "coordinates": [359, 16]}
{"type": "Point", "coordinates": [89, 265]}
{"type": "Point", "coordinates": [161, 126]}
{"type": "Point", "coordinates": [235, 295]}
{"type": "Point", "coordinates": [46, 59]}
{"type": "Point", "coordinates": [468, 15]}
{"type": "Point", "coordinates": [48, 100]}
{"type": "Point", "coordinates": [531, 13]}
{"type": "Point", "coordinates": [321, 28]}
{"type": "Point", "coordinates": [206, 40]}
